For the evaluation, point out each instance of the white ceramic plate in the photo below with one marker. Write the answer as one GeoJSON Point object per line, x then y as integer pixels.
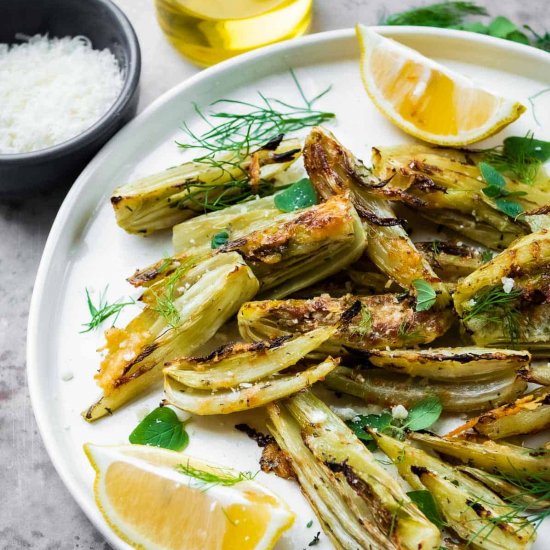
{"type": "Point", "coordinates": [87, 249]}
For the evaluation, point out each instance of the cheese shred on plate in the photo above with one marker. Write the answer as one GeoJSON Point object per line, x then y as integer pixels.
{"type": "Point", "coordinates": [52, 90]}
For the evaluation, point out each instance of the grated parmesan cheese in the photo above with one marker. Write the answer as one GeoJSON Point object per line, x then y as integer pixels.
{"type": "Point", "coordinates": [507, 284]}
{"type": "Point", "coordinates": [52, 90]}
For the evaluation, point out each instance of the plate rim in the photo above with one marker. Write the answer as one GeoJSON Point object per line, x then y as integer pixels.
{"type": "Point", "coordinates": [78, 189]}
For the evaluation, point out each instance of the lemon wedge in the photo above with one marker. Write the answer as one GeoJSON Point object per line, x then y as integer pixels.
{"type": "Point", "coordinates": [427, 100]}
{"type": "Point", "coordinates": [163, 500]}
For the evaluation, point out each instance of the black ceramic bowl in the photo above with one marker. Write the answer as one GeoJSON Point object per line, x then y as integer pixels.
{"type": "Point", "coordinates": [107, 27]}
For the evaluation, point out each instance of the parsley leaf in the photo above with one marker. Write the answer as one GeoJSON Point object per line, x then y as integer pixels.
{"type": "Point", "coordinates": [299, 195]}
{"type": "Point", "coordinates": [426, 503]}
{"type": "Point", "coordinates": [219, 239]}
{"type": "Point", "coordinates": [161, 428]}
{"type": "Point", "coordinates": [425, 295]}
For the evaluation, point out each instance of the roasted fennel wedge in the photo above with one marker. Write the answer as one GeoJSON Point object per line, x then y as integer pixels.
{"type": "Point", "coordinates": [446, 187]}
{"type": "Point", "coordinates": [235, 364]}
{"type": "Point", "coordinates": [451, 364]}
{"type": "Point", "coordinates": [471, 510]}
{"type": "Point", "coordinates": [374, 322]}
{"type": "Point", "coordinates": [332, 444]}
{"type": "Point", "coordinates": [247, 395]}
{"type": "Point", "coordinates": [496, 458]}
{"type": "Point", "coordinates": [346, 517]}
{"type": "Point", "coordinates": [162, 200]}
{"type": "Point", "coordinates": [335, 171]}
{"type": "Point", "coordinates": [295, 250]}
{"type": "Point", "coordinates": [450, 260]}
{"type": "Point", "coordinates": [303, 247]}
{"type": "Point", "coordinates": [527, 414]}
{"type": "Point", "coordinates": [182, 312]}
{"type": "Point", "coordinates": [539, 373]}
{"type": "Point", "coordinates": [194, 236]}
{"type": "Point", "coordinates": [387, 388]}
{"type": "Point", "coordinates": [507, 300]}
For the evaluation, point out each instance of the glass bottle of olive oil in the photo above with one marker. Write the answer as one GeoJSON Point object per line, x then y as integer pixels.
{"type": "Point", "coordinates": [209, 31]}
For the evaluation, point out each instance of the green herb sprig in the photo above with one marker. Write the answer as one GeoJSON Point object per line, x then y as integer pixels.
{"type": "Point", "coordinates": [532, 502]}
{"type": "Point", "coordinates": [365, 323]}
{"type": "Point", "coordinates": [103, 310]}
{"type": "Point", "coordinates": [529, 506]}
{"type": "Point", "coordinates": [444, 14]}
{"type": "Point", "coordinates": [519, 157]}
{"type": "Point", "coordinates": [161, 428]}
{"type": "Point", "coordinates": [212, 479]}
{"type": "Point", "coordinates": [239, 132]}
{"type": "Point", "coordinates": [497, 306]}
{"type": "Point", "coordinates": [166, 296]}
{"type": "Point", "coordinates": [422, 415]}
{"type": "Point", "coordinates": [457, 15]}
{"type": "Point", "coordinates": [258, 123]}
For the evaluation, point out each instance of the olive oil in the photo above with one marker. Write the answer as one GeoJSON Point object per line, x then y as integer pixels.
{"type": "Point", "coordinates": [209, 31]}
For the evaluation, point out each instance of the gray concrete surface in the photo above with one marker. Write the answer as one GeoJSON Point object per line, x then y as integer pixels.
{"type": "Point", "coordinates": [36, 511]}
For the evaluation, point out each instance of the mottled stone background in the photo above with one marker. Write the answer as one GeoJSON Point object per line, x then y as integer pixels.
{"type": "Point", "coordinates": [36, 511]}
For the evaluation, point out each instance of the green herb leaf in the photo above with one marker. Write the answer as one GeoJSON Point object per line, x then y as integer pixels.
{"type": "Point", "coordinates": [309, 524]}
{"type": "Point", "coordinates": [423, 414]}
{"type": "Point", "coordinates": [380, 422]}
{"type": "Point", "coordinates": [510, 208]}
{"type": "Point", "coordinates": [299, 195]}
{"type": "Point", "coordinates": [365, 323]}
{"type": "Point", "coordinates": [219, 239]}
{"type": "Point", "coordinates": [102, 311]}
{"type": "Point", "coordinates": [425, 295]}
{"type": "Point", "coordinates": [501, 27]}
{"type": "Point", "coordinates": [492, 192]}
{"type": "Point", "coordinates": [473, 26]}
{"type": "Point", "coordinates": [519, 37]}
{"type": "Point", "coordinates": [161, 428]}
{"type": "Point", "coordinates": [492, 176]}
{"type": "Point", "coordinates": [426, 503]}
